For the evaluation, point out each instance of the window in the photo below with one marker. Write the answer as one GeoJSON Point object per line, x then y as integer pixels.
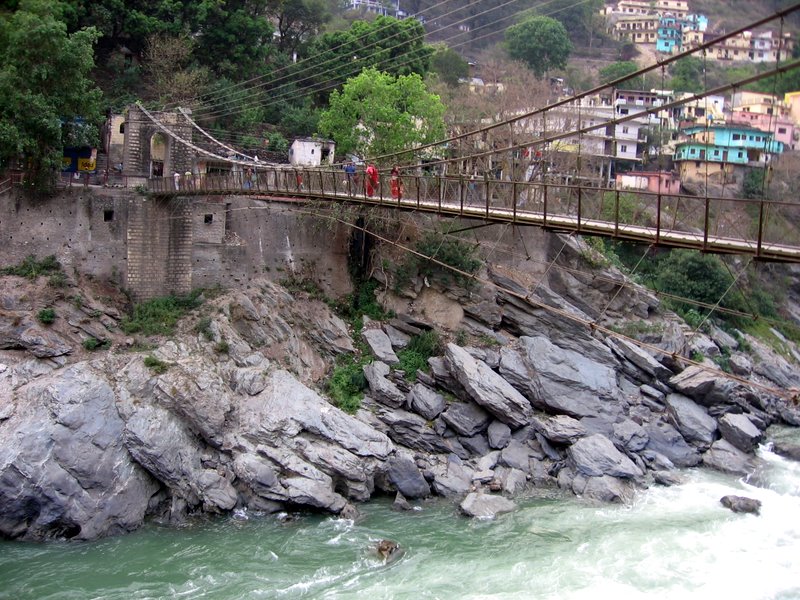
{"type": "Point", "coordinates": [122, 127]}
{"type": "Point", "coordinates": [624, 130]}
{"type": "Point", "coordinates": [781, 129]}
{"type": "Point", "coordinates": [736, 136]}
{"type": "Point", "coordinates": [716, 152]}
{"type": "Point", "coordinates": [740, 155]}
{"type": "Point", "coordinates": [108, 215]}
{"type": "Point", "coordinates": [697, 164]}
{"type": "Point", "coordinates": [623, 148]}
{"type": "Point", "coordinates": [208, 219]}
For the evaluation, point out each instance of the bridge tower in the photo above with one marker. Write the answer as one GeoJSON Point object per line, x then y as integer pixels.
{"type": "Point", "coordinates": [160, 231]}
{"type": "Point", "coordinates": [149, 151]}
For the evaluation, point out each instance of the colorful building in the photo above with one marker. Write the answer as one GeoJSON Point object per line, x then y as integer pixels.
{"type": "Point", "coordinates": [721, 153]}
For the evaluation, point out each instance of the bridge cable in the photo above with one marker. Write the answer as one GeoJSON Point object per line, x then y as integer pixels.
{"type": "Point", "coordinates": [209, 136]}
{"type": "Point", "coordinates": [219, 111]}
{"type": "Point", "coordinates": [615, 121]}
{"type": "Point", "coordinates": [335, 82]}
{"type": "Point", "coordinates": [594, 91]}
{"type": "Point", "coordinates": [220, 93]}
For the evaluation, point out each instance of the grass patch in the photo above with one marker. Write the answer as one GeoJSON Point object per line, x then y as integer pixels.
{"type": "Point", "coordinates": [155, 365]}
{"type": "Point", "coordinates": [160, 315]}
{"type": "Point", "coordinates": [203, 327]}
{"type": "Point", "coordinates": [222, 347]}
{"type": "Point", "coordinates": [46, 316]}
{"type": "Point", "coordinates": [415, 356]}
{"type": "Point", "coordinates": [31, 267]}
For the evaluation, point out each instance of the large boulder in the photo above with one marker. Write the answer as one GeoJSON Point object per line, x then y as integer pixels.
{"type": "Point", "coordinates": [725, 457]}
{"type": "Point", "coordinates": [380, 345]}
{"type": "Point", "coordinates": [64, 468]}
{"type": "Point", "coordinates": [410, 430]}
{"type": "Point", "coordinates": [487, 388]}
{"type": "Point", "coordinates": [406, 477]}
{"type": "Point", "coordinates": [466, 418]}
{"type": "Point", "coordinates": [741, 504]}
{"type": "Point", "coordinates": [664, 440]}
{"type": "Point", "coordinates": [692, 420]}
{"type": "Point", "coordinates": [740, 431]}
{"type": "Point", "coordinates": [702, 385]}
{"type": "Point", "coordinates": [595, 456]}
{"type": "Point", "coordinates": [560, 429]}
{"type": "Point", "coordinates": [426, 402]}
{"type": "Point", "coordinates": [380, 387]}
{"type": "Point", "coordinates": [485, 506]}
{"type": "Point", "coordinates": [570, 382]}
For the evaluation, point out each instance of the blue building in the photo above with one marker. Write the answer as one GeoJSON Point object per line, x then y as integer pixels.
{"type": "Point", "coordinates": [672, 31]}
{"type": "Point", "coordinates": [721, 152]}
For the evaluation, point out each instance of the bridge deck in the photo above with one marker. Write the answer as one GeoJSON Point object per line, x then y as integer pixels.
{"type": "Point", "coordinates": [767, 230]}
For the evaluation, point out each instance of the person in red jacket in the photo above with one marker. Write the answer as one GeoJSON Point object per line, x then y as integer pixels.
{"type": "Point", "coordinates": [372, 179]}
{"type": "Point", "coordinates": [397, 184]}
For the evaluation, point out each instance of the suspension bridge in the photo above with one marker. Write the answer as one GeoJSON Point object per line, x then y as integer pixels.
{"type": "Point", "coordinates": [537, 193]}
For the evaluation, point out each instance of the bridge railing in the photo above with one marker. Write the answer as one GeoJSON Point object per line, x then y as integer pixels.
{"type": "Point", "coordinates": [632, 214]}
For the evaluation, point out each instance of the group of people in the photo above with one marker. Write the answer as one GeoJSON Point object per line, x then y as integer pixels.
{"type": "Point", "coordinates": [372, 180]}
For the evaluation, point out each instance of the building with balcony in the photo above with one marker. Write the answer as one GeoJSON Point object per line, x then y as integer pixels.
{"type": "Point", "coordinates": [720, 153]}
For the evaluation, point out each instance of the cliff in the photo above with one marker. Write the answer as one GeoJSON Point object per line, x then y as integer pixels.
{"type": "Point", "coordinates": [230, 411]}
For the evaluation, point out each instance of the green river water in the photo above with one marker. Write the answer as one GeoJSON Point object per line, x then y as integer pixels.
{"type": "Point", "coordinates": [671, 543]}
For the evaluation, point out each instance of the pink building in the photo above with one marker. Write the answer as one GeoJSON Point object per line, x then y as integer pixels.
{"type": "Point", "coordinates": [783, 128]}
{"type": "Point", "coordinates": [656, 181]}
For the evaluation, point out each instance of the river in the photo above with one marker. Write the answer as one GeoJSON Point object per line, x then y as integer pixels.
{"type": "Point", "coordinates": [671, 543]}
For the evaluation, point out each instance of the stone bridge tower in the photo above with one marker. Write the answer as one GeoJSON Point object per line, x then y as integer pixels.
{"type": "Point", "coordinates": [150, 152]}
{"type": "Point", "coordinates": [160, 231]}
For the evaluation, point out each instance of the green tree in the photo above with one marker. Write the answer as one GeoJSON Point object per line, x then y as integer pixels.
{"type": "Point", "coordinates": [377, 113]}
{"type": "Point", "coordinates": [580, 19]}
{"type": "Point", "coordinates": [687, 75]}
{"type": "Point", "coordinates": [618, 70]}
{"type": "Point", "coordinates": [540, 42]}
{"type": "Point", "coordinates": [388, 44]}
{"type": "Point", "coordinates": [47, 100]}
{"type": "Point", "coordinates": [449, 65]}
{"type": "Point", "coordinates": [297, 20]}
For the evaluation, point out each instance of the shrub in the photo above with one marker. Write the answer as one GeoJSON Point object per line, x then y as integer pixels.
{"type": "Point", "coordinates": [46, 316]}
{"type": "Point", "coordinates": [222, 347]}
{"type": "Point", "coordinates": [415, 356]}
{"type": "Point", "coordinates": [347, 384]}
{"type": "Point", "coordinates": [155, 365]}
{"type": "Point", "coordinates": [449, 251]}
{"type": "Point", "coordinates": [160, 315]}
{"type": "Point", "coordinates": [203, 327]}
{"type": "Point", "coordinates": [32, 268]}
{"type": "Point", "coordinates": [91, 344]}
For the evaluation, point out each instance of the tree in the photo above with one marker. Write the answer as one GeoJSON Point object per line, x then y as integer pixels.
{"type": "Point", "coordinates": [618, 70]}
{"type": "Point", "coordinates": [580, 19]}
{"type": "Point", "coordinates": [297, 20]}
{"type": "Point", "coordinates": [540, 42]}
{"type": "Point", "coordinates": [388, 44]}
{"type": "Point", "coordinates": [449, 65]}
{"type": "Point", "coordinates": [171, 78]}
{"type": "Point", "coordinates": [47, 100]}
{"type": "Point", "coordinates": [687, 75]}
{"type": "Point", "coordinates": [377, 113]}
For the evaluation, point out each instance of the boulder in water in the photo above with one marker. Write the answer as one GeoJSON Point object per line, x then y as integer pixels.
{"type": "Point", "coordinates": [485, 506]}
{"type": "Point", "coordinates": [741, 504]}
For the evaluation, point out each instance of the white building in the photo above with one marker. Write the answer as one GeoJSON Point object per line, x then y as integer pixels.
{"type": "Point", "coordinates": [311, 152]}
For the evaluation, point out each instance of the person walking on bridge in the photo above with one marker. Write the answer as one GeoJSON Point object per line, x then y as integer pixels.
{"type": "Point", "coordinates": [397, 184]}
{"type": "Point", "coordinates": [177, 179]}
{"type": "Point", "coordinates": [372, 179]}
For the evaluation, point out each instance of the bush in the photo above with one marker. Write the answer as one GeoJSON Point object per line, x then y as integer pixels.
{"type": "Point", "coordinates": [46, 316]}
{"type": "Point", "coordinates": [32, 268]}
{"type": "Point", "coordinates": [91, 344]}
{"type": "Point", "coordinates": [415, 356]}
{"type": "Point", "coordinates": [222, 347]}
{"type": "Point", "coordinates": [449, 251]}
{"type": "Point", "coordinates": [347, 384]}
{"type": "Point", "coordinates": [203, 327]}
{"type": "Point", "coordinates": [160, 315]}
{"type": "Point", "coordinates": [155, 365]}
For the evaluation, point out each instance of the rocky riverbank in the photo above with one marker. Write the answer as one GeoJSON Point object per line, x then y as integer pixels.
{"type": "Point", "coordinates": [230, 413]}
